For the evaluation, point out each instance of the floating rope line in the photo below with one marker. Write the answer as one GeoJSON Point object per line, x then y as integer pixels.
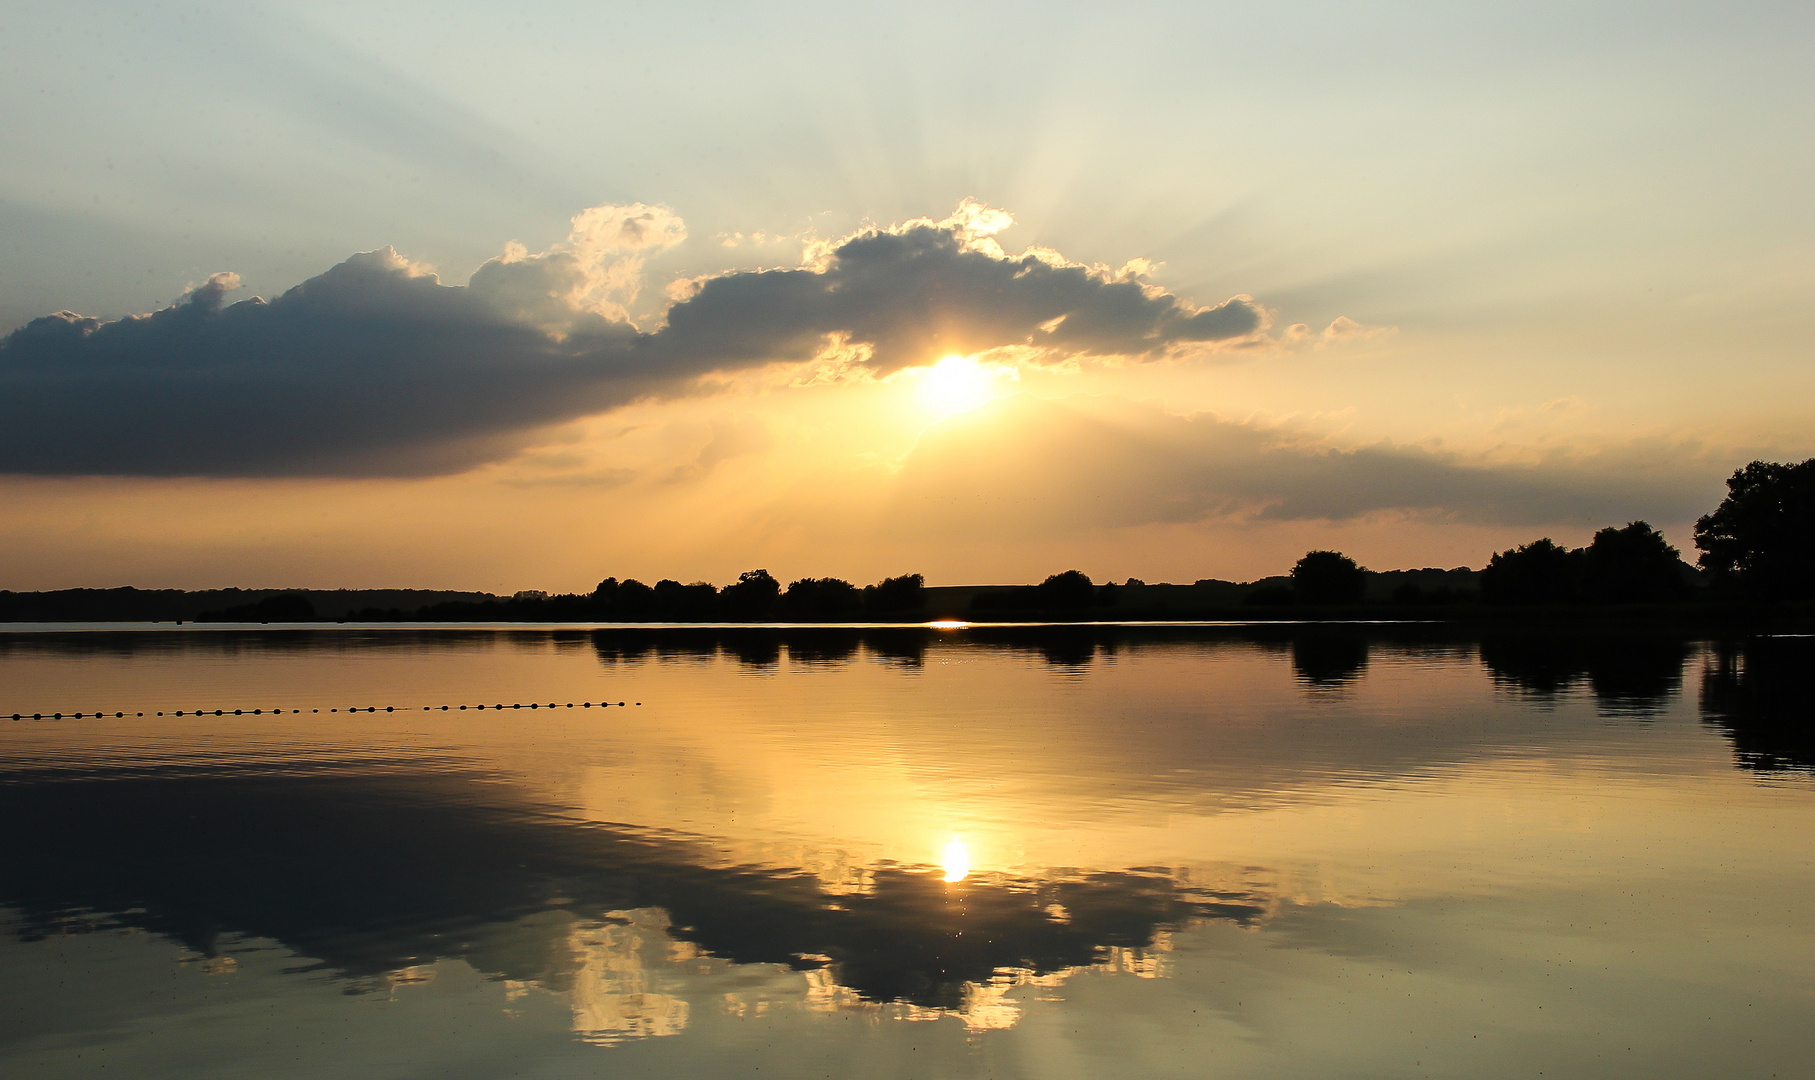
{"type": "Point", "coordinates": [355, 709]}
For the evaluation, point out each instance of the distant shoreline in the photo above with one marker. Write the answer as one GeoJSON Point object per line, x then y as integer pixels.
{"type": "Point", "coordinates": [1404, 596]}
{"type": "Point", "coordinates": [1685, 617]}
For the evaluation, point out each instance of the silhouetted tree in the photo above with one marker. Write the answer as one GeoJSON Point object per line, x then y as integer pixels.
{"type": "Point", "coordinates": [1067, 591]}
{"type": "Point", "coordinates": [1633, 565]}
{"type": "Point", "coordinates": [633, 600]}
{"type": "Point", "coordinates": [752, 596]}
{"type": "Point", "coordinates": [821, 598]}
{"type": "Point", "coordinates": [895, 595]}
{"type": "Point", "coordinates": [698, 602]}
{"type": "Point", "coordinates": [1762, 536]}
{"type": "Point", "coordinates": [1328, 577]}
{"type": "Point", "coordinates": [1541, 572]}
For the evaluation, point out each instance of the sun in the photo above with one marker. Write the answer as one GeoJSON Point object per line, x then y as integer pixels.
{"type": "Point", "coordinates": [956, 384]}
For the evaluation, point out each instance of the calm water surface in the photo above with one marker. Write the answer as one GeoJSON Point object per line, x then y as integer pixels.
{"type": "Point", "coordinates": [1259, 852]}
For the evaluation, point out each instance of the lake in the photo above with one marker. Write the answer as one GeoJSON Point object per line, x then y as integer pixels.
{"type": "Point", "coordinates": [1234, 851]}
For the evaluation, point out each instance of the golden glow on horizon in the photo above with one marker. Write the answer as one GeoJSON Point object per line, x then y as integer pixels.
{"type": "Point", "coordinates": [956, 860]}
{"type": "Point", "coordinates": [947, 624]}
{"type": "Point", "coordinates": [956, 384]}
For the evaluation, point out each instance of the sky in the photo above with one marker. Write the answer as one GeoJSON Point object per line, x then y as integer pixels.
{"type": "Point", "coordinates": [459, 295]}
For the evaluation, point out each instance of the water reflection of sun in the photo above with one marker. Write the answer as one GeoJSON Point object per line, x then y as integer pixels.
{"type": "Point", "coordinates": [956, 860]}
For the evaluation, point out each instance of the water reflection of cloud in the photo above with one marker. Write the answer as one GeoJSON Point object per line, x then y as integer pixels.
{"type": "Point", "coordinates": [377, 878]}
{"type": "Point", "coordinates": [619, 990]}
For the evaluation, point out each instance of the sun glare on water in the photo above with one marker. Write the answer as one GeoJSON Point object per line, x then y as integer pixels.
{"type": "Point", "coordinates": [956, 860]}
{"type": "Point", "coordinates": [956, 384]}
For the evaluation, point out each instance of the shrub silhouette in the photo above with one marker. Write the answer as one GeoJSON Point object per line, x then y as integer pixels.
{"type": "Point", "coordinates": [1328, 577]}
{"type": "Point", "coordinates": [1541, 572]}
{"type": "Point", "coordinates": [752, 596]}
{"type": "Point", "coordinates": [904, 593]}
{"type": "Point", "coordinates": [1069, 590]}
{"type": "Point", "coordinates": [633, 600]}
{"type": "Point", "coordinates": [1633, 565]}
{"type": "Point", "coordinates": [1762, 536]}
{"type": "Point", "coordinates": [675, 602]}
{"type": "Point", "coordinates": [821, 598]}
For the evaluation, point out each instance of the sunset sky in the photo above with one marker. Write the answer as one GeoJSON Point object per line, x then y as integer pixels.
{"type": "Point", "coordinates": [982, 291]}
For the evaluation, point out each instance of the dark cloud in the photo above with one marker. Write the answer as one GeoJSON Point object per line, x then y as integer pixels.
{"type": "Point", "coordinates": [376, 368]}
{"type": "Point", "coordinates": [1032, 465]}
{"type": "Point", "coordinates": [367, 369]}
{"type": "Point", "coordinates": [918, 293]}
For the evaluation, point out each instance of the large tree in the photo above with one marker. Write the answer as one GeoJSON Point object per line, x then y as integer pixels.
{"type": "Point", "coordinates": [1541, 572]}
{"type": "Point", "coordinates": [1328, 577]}
{"type": "Point", "coordinates": [1633, 565]}
{"type": "Point", "coordinates": [1762, 536]}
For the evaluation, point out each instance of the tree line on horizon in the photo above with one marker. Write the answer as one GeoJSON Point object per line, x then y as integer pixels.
{"type": "Point", "coordinates": [1757, 546]}
{"type": "Point", "coordinates": [756, 596]}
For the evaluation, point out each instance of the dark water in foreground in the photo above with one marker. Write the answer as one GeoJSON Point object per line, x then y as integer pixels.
{"type": "Point", "coordinates": [1240, 852]}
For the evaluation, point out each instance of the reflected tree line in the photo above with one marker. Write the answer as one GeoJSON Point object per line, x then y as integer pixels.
{"type": "Point", "coordinates": [368, 873]}
{"type": "Point", "coordinates": [1759, 693]}
{"type": "Point", "coordinates": [1757, 690]}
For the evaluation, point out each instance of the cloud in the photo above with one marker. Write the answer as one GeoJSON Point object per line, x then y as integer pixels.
{"type": "Point", "coordinates": [377, 368]}
{"type": "Point", "coordinates": [922, 290]}
{"type": "Point", "coordinates": [597, 271]}
{"type": "Point", "coordinates": [1021, 465]}
{"type": "Point", "coordinates": [371, 368]}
